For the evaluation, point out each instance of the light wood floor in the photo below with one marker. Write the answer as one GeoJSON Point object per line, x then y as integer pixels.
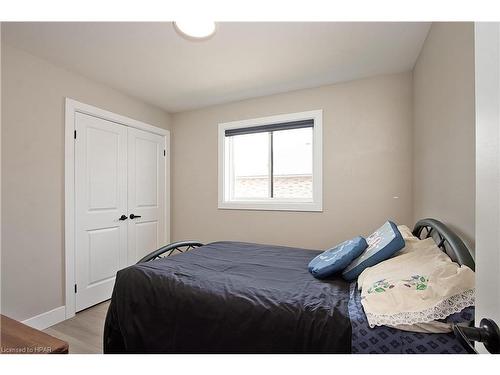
{"type": "Point", "coordinates": [84, 331]}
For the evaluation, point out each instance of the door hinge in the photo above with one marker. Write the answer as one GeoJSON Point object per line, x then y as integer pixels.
{"type": "Point", "coordinates": [164, 153]}
{"type": "Point", "coordinates": [75, 134]}
{"type": "Point", "coordinates": [76, 288]}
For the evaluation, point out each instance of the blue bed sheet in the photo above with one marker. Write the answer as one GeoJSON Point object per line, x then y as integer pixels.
{"type": "Point", "coordinates": [386, 340]}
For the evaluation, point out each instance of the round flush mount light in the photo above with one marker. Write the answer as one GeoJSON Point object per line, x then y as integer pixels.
{"type": "Point", "coordinates": [195, 30]}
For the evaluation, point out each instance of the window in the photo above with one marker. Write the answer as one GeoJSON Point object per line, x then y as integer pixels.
{"type": "Point", "coordinates": [271, 163]}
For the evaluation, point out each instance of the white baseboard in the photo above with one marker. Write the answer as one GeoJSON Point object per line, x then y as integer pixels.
{"type": "Point", "coordinates": [47, 319]}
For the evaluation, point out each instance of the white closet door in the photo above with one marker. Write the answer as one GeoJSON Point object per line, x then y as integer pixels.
{"type": "Point", "coordinates": [146, 193]}
{"type": "Point", "coordinates": [101, 199]}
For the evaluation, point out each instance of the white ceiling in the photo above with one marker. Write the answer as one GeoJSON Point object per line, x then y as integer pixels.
{"type": "Point", "coordinates": [152, 62]}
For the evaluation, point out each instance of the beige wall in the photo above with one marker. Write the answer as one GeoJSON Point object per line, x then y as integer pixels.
{"type": "Point", "coordinates": [444, 145]}
{"type": "Point", "coordinates": [366, 162]}
{"type": "Point", "coordinates": [33, 93]}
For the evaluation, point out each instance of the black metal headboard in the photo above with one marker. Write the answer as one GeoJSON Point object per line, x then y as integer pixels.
{"type": "Point", "coordinates": [446, 240]}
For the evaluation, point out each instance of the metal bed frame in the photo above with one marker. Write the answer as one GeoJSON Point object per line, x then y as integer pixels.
{"type": "Point", "coordinates": [170, 249]}
{"type": "Point", "coordinates": [446, 240]}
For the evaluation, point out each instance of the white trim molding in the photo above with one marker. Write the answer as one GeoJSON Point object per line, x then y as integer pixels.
{"type": "Point", "coordinates": [47, 319]}
{"type": "Point", "coordinates": [73, 107]}
{"type": "Point", "coordinates": [316, 204]}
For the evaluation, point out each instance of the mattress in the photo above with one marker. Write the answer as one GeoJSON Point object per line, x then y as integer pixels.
{"type": "Point", "coordinates": [228, 297]}
{"type": "Point", "coordinates": [234, 297]}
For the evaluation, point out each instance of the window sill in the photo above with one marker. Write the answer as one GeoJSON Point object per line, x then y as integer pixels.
{"type": "Point", "coordinates": [272, 206]}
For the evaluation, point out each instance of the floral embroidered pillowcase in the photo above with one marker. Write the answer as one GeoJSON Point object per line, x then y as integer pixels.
{"type": "Point", "coordinates": [416, 288]}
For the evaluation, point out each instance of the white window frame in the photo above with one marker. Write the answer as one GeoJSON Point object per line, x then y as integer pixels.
{"type": "Point", "coordinates": [275, 204]}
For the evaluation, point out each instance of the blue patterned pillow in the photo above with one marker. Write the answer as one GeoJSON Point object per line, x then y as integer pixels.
{"type": "Point", "coordinates": [337, 258]}
{"type": "Point", "coordinates": [382, 244]}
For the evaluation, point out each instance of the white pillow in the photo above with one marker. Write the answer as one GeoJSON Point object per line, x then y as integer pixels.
{"type": "Point", "coordinates": [406, 233]}
{"type": "Point", "coordinates": [412, 243]}
{"type": "Point", "coordinates": [420, 286]}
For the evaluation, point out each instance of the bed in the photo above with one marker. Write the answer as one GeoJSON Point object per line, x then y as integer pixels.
{"type": "Point", "coordinates": [233, 297]}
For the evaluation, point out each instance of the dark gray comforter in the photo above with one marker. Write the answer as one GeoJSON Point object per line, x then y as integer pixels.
{"type": "Point", "coordinates": [228, 297]}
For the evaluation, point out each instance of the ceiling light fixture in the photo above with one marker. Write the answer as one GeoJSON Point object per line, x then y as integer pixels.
{"type": "Point", "coordinates": [195, 30]}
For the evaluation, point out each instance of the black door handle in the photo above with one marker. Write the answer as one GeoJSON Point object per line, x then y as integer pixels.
{"type": "Point", "coordinates": [123, 217]}
{"type": "Point", "coordinates": [487, 333]}
{"type": "Point", "coordinates": [132, 216]}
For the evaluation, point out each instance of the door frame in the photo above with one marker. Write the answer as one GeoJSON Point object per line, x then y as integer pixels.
{"type": "Point", "coordinates": [71, 108]}
{"type": "Point", "coordinates": [487, 93]}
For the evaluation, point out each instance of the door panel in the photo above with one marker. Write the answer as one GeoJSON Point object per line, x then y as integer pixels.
{"type": "Point", "coordinates": [103, 265]}
{"type": "Point", "coordinates": [146, 172]}
{"type": "Point", "coordinates": [101, 198]}
{"type": "Point", "coordinates": [103, 159]}
{"type": "Point", "coordinates": [146, 238]}
{"type": "Point", "coordinates": [146, 193]}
